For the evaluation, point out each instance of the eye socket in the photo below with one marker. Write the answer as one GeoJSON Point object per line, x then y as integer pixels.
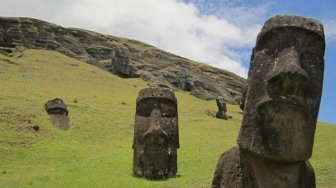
{"type": "Point", "coordinates": [167, 107]}
{"type": "Point", "coordinates": [311, 61]}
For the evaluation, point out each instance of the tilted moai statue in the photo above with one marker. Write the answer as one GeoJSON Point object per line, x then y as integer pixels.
{"type": "Point", "coordinates": [58, 113]}
{"type": "Point", "coordinates": [221, 104]}
{"type": "Point", "coordinates": [281, 107]}
{"type": "Point", "coordinates": [156, 137]}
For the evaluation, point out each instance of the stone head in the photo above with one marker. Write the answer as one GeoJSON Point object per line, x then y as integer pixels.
{"type": "Point", "coordinates": [284, 89]}
{"type": "Point", "coordinates": [56, 106]}
{"type": "Point", "coordinates": [155, 134]}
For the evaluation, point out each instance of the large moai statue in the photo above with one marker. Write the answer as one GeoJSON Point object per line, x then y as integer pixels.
{"type": "Point", "coordinates": [156, 137]}
{"type": "Point", "coordinates": [58, 113]}
{"type": "Point", "coordinates": [281, 107]}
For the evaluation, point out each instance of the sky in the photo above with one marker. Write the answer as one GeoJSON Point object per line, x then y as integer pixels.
{"type": "Point", "coordinates": [220, 33]}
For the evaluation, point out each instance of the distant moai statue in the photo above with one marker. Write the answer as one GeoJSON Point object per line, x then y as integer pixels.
{"type": "Point", "coordinates": [221, 104]}
{"type": "Point", "coordinates": [156, 137]}
{"type": "Point", "coordinates": [281, 106]}
{"type": "Point", "coordinates": [58, 113]}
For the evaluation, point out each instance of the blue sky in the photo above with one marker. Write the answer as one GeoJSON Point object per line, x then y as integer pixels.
{"type": "Point", "coordinates": [323, 10]}
{"type": "Point", "coordinates": [220, 33]}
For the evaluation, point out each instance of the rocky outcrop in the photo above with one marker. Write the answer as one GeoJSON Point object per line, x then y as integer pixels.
{"type": "Point", "coordinates": [123, 57]}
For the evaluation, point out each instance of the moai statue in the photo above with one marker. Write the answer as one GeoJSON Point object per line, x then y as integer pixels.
{"type": "Point", "coordinates": [281, 107]}
{"type": "Point", "coordinates": [58, 113]}
{"type": "Point", "coordinates": [156, 137]}
{"type": "Point", "coordinates": [221, 114]}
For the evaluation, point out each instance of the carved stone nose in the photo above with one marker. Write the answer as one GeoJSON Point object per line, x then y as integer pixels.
{"type": "Point", "coordinates": [155, 129]}
{"type": "Point", "coordinates": [155, 119]}
{"type": "Point", "coordinates": [287, 78]}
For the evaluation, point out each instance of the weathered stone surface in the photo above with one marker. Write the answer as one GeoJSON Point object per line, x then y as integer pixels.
{"type": "Point", "coordinates": [242, 100]}
{"type": "Point", "coordinates": [58, 113]}
{"type": "Point", "coordinates": [221, 114]}
{"type": "Point", "coordinates": [122, 67]}
{"type": "Point", "coordinates": [202, 94]}
{"type": "Point", "coordinates": [56, 106]}
{"type": "Point", "coordinates": [236, 168]}
{"type": "Point", "coordinates": [281, 107]}
{"type": "Point", "coordinates": [156, 137]}
{"type": "Point", "coordinates": [286, 78]}
{"type": "Point", "coordinates": [123, 57]}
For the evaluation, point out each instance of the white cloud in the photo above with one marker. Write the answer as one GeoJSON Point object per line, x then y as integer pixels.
{"type": "Point", "coordinates": [168, 24]}
{"type": "Point", "coordinates": [330, 30]}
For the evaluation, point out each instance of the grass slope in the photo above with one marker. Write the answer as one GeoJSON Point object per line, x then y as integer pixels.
{"type": "Point", "coordinates": [96, 151]}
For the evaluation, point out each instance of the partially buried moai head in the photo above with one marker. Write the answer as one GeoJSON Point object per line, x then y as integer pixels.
{"type": "Point", "coordinates": [155, 134]}
{"type": "Point", "coordinates": [56, 106]}
{"type": "Point", "coordinates": [284, 89]}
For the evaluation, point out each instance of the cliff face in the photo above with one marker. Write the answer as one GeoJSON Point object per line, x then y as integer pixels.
{"type": "Point", "coordinates": [123, 57]}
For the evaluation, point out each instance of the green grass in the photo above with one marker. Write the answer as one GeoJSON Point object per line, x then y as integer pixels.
{"type": "Point", "coordinates": [96, 151]}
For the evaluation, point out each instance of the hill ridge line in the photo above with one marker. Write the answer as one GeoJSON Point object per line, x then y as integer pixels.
{"type": "Point", "coordinates": [124, 57]}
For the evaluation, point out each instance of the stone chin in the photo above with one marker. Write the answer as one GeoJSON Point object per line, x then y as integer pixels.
{"type": "Point", "coordinates": [284, 132]}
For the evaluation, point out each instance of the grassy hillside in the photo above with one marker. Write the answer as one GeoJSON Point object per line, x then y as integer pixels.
{"type": "Point", "coordinates": [125, 57]}
{"type": "Point", "coordinates": [96, 151]}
